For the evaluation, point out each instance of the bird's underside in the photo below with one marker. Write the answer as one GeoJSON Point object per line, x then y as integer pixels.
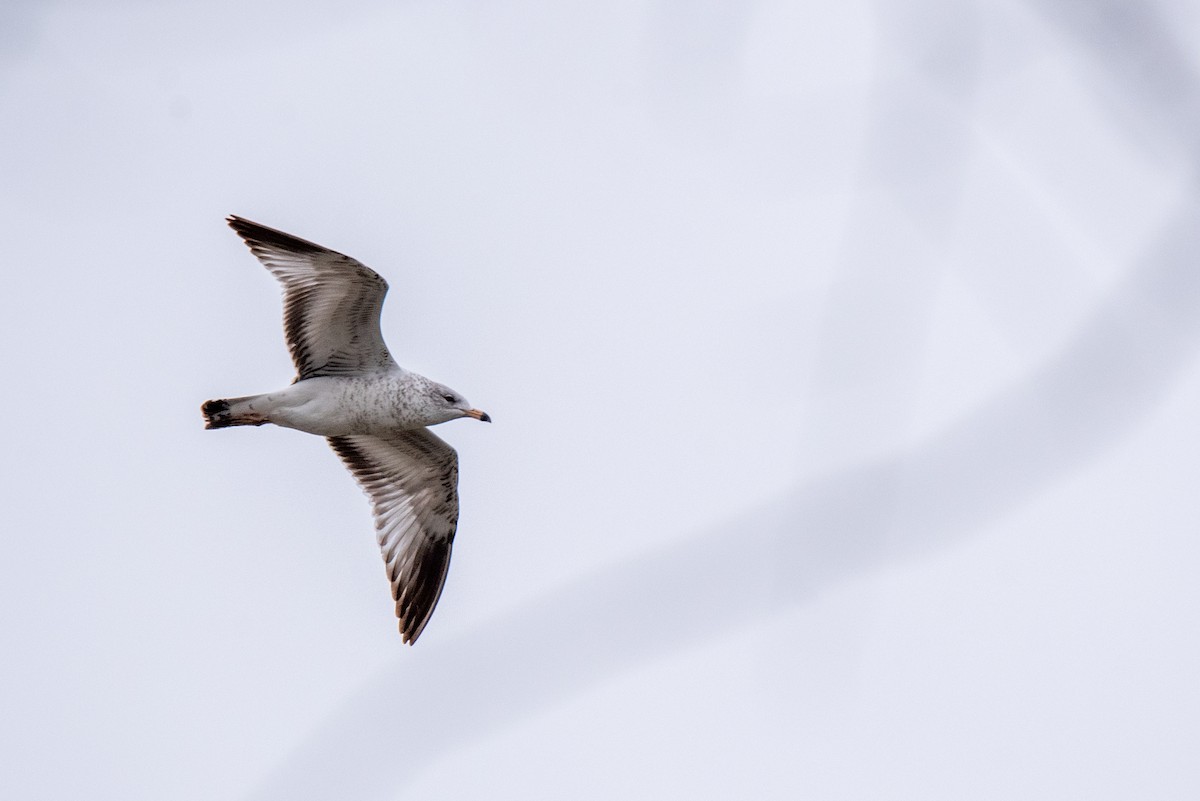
{"type": "Point", "coordinates": [332, 305]}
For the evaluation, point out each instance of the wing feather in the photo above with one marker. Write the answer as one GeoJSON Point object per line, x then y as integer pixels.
{"type": "Point", "coordinates": [331, 303]}
{"type": "Point", "coordinates": [411, 478]}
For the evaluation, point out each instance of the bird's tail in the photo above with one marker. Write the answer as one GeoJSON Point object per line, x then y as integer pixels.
{"type": "Point", "coordinates": [226, 412]}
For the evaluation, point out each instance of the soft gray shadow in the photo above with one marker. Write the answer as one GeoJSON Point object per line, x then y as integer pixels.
{"type": "Point", "coordinates": [918, 146]}
{"type": "Point", "coordinates": [1121, 362]}
{"type": "Point", "coordinates": [431, 703]}
{"type": "Point", "coordinates": [1139, 66]}
{"type": "Point", "coordinates": [18, 29]}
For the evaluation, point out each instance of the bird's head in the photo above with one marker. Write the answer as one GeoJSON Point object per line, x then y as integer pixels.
{"type": "Point", "coordinates": [449, 405]}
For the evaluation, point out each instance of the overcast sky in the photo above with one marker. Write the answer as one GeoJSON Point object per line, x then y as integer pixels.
{"type": "Point", "coordinates": [842, 358]}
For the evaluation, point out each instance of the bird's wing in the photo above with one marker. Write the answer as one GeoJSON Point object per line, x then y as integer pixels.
{"type": "Point", "coordinates": [331, 303]}
{"type": "Point", "coordinates": [411, 478]}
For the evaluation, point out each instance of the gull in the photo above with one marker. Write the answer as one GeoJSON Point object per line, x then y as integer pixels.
{"type": "Point", "coordinates": [374, 413]}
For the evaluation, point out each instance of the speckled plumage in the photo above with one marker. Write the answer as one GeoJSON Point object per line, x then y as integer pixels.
{"type": "Point", "coordinates": [374, 413]}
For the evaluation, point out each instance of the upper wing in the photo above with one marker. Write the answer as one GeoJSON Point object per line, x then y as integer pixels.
{"type": "Point", "coordinates": [331, 303]}
{"type": "Point", "coordinates": [412, 480]}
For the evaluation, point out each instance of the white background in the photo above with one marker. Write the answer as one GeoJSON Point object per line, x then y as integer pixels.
{"type": "Point", "coordinates": [842, 362]}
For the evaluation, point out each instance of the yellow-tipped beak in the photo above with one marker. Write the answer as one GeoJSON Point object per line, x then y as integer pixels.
{"type": "Point", "coordinates": [478, 415]}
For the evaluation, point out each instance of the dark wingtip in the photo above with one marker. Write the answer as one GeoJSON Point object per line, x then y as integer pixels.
{"type": "Point", "coordinates": [408, 635]}
{"type": "Point", "coordinates": [256, 233]}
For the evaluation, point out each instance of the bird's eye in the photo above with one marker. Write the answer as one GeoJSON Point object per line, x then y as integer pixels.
{"type": "Point", "coordinates": [448, 398]}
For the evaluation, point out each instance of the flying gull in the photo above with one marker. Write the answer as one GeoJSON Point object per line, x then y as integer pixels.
{"type": "Point", "coordinates": [374, 413]}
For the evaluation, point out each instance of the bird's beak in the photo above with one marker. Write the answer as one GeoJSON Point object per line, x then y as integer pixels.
{"type": "Point", "coordinates": [478, 415]}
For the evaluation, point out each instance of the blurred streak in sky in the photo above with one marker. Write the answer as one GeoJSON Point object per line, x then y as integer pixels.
{"type": "Point", "coordinates": [1112, 371]}
{"type": "Point", "coordinates": [843, 364]}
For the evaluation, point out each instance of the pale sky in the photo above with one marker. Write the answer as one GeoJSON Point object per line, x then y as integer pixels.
{"type": "Point", "coordinates": [842, 359]}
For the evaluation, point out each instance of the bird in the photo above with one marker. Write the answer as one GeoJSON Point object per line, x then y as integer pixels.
{"type": "Point", "coordinates": [374, 413]}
